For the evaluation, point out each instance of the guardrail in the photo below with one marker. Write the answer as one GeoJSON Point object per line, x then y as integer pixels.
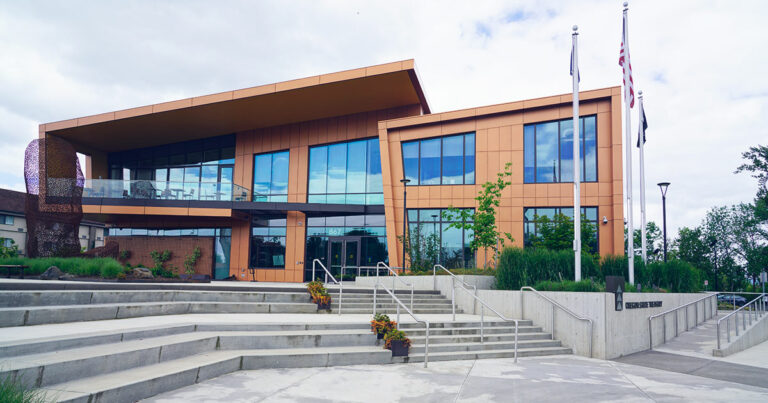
{"type": "Point", "coordinates": [327, 274]}
{"type": "Point", "coordinates": [417, 319]}
{"type": "Point", "coordinates": [757, 310]}
{"type": "Point", "coordinates": [556, 304]}
{"type": "Point", "coordinates": [712, 313]}
{"type": "Point", "coordinates": [397, 277]}
{"type": "Point", "coordinates": [359, 270]}
{"type": "Point", "coordinates": [453, 288]}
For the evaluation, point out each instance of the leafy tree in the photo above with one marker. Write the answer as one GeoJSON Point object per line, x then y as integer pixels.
{"type": "Point", "coordinates": [422, 249]}
{"type": "Point", "coordinates": [654, 241]}
{"type": "Point", "coordinates": [482, 221]}
{"type": "Point", "coordinates": [757, 165]}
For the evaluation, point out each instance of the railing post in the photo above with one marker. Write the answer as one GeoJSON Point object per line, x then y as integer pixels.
{"type": "Point", "coordinates": [686, 317]}
{"type": "Point", "coordinates": [314, 262]}
{"type": "Point", "coordinates": [650, 332]}
{"type": "Point", "coordinates": [482, 321]}
{"type": "Point", "coordinates": [453, 298]}
{"type": "Point", "coordinates": [374, 296]}
{"type": "Point", "coordinates": [664, 329]}
{"type": "Point", "coordinates": [426, 347]}
{"type": "Point", "coordinates": [411, 297]}
{"type": "Point", "coordinates": [516, 326]}
{"type": "Point", "coordinates": [553, 321]}
{"type": "Point", "coordinates": [434, 278]}
{"type": "Point", "coordinates": [341, 291]}
{"type": "Point", "coordinates": [728, 330]}
{"type": "Point", "coordinates": [398, 313]}
{"type": "Point", "coordinates": [474, 303]}
{"type": "Point", "coordinates": [718, 335]}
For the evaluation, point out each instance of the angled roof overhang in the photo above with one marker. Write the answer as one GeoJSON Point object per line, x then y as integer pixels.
{"type": "Point", "coordinates": [347, 92]}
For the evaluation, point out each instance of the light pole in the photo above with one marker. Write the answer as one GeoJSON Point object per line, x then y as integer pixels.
{"type": "Point", "coordinates": [663, 186]}
{"type": "Point", "coordinates": [405, 182]}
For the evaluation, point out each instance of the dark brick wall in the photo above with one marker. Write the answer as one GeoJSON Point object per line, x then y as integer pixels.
{"type": "Point", "coordinates": [180, 247]}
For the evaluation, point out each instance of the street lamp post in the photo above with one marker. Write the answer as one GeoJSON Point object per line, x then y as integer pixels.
{"type": "Point", "coordinates": [405, 182]}
{"type": "Point", "coordinates": [663, 186]}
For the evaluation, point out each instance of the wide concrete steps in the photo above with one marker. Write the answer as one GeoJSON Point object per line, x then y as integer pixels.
{"type": "Point", "coordinates": [38, 315]}
{"type": "Point", "coordinates": [393, 310]}
{"type": "Point", "coordinates": [487, 354]}
{"type": "Point", "coordinates": [146, 381]}
{"type": "Point", "coordinates": [538, 342]}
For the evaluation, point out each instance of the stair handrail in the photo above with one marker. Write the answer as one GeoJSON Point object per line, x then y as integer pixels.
{"type": "Point", "coordinates": [758, 310]}
{"type": "Point", "coordinates": [453, 286]}
{"type": "Point", "coordinates": [676, 310]}
{"type": "Point", "coordinates": [327, 274]}
{"type": "Point", "coordinates": [558, 305]}
{"type": "Point", "coordinates": [394, 285]}
{"type": "Point", "coordinates": [410, 312]}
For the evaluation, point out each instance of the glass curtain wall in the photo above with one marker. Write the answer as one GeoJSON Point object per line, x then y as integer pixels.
{"type": "Point", "coordinates": [346, 173]}
{"type": "Point", "coordinates": [191, 170]}
{"type": "Point", "coordinates": [452, 244]}
{"type": "Point", "coordinates": [222, 242]}
{"type": "Point", "coordinates": [532, 221]}
{"type": "Point", "coordinates": [548, 151]}
{"type": "Point", "coordinates": [270, 177]}
{"type": "Point", "coordinates": [268, 242]}
{"type": "Point", "coordinates": [440, 161]}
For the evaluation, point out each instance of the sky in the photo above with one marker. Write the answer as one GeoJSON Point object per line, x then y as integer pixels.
{"type": "Point", "coordinates": [697, 62]}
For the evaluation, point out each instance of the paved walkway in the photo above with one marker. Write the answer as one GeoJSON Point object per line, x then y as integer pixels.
{"type": "Point", "coordinates": [557, 378]}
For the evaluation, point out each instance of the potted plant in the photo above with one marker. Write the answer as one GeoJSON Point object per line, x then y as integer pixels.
{"type": "Point", "coordinates": [398, 342]}
{"type": "Point", "coordinates": [319, 295]}
{"type": "Point", "coordinates": [381, 324]}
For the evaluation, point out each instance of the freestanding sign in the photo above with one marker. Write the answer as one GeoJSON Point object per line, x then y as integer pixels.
{"type": "Point", "coordinates": [615, 284]}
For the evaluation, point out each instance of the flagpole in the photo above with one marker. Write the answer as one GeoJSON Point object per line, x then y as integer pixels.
{"type": "Point", "coordinates": [641, 142]}
{"type": "Point", "coordinates": [628, 140]}
{"type": "Point", "coordinates": [576, 159]}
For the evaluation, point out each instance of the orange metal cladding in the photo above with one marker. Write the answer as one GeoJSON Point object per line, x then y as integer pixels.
{"type": "Point", "coordinates": [499, 140]}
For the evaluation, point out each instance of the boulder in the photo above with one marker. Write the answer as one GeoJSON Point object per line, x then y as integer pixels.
{"type": "Point", "coordinates": [142, 272]}
{"type": "Point", "coordinates": [52, 273]}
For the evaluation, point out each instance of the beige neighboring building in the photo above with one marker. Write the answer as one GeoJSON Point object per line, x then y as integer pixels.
{"type": "Point", "coordinates": [13, 224]}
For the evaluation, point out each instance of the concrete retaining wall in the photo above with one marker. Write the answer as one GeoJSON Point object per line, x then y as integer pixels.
{"type": "Point", "coordinates": [754, 335]}
{"type": "Point", "coordinates": [615, 334]}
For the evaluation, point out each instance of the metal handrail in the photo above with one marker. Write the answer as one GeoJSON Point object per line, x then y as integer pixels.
{"type": "Point", "coordinates": [564, 309]}
{"type": "Point", "coordinates": [453, 286]}
{"type": "Point", "coordinates": [484, 305]}
{"type": "Point", "coordinates": [675, 310]}
{"type": "Point", "coordinates": [757, 312]}
{"type": "Point", "coordinates": [358, 270]}
{"type": "Point", "coordinates": [327, 274]}
{"type": "Point", "coordinates": [394, 285]}
{"type": "Point", "coordinates": [410, 312]}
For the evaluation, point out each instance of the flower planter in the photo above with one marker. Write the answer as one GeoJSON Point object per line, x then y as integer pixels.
{"type": "Point", "coordinates": [321, 306]}
{"type": "Point", "coordinates": [399, 349]}
{"type": "Point", "coordinates": [379, 336]}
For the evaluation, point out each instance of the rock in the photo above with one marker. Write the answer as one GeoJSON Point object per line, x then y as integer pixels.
{"type": "Point", "coordinates": [142, 272]}
{"type": "Point", "coordinates": [52, 273]}
{"type": "Point", "coordinates": [67, 276]}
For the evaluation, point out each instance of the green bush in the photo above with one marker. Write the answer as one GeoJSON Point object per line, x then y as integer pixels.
{"type": "Point", "coordinates": [521, 267]}
{"type": "Point", "coordinates": [567, 285]}
{"type": "Point", "coordinates": [78, 266]}
{"type": "Point", "coordinates": [14, 391]}
{"type": "Point", "coordinates": [459, 272]}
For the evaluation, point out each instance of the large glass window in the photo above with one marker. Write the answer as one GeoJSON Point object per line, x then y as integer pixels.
{"type": "Point", "coordinates": [268, 242]}
{"type": "Point", "coordinates": [535, 217]}
{"type": "Point", "coordinates": [270, 177]}
{"type": "Point", "coordinates": [440, 161]}
{"type": "Point", "coordinates": [433, 238]}
{"type": "Point", "coordinates": [548, 151]}
{"type": "Point", "coordinates": [192, 170]}
{"type": "Point", "coordinates": [346, 173]}
{"type": "Point", "coordinates": [6, 219]}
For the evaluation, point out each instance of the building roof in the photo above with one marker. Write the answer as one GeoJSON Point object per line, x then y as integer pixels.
{"type": "Point", "coordinates": [12, 201]}
{"type": "Point", "coordinates": [346, 92]}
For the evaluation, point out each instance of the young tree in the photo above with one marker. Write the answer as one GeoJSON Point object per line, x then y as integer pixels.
{"type": "Point", "coordinates": [482, 221]}
{"type": "Point", "coordinates": [757, 164]}
{"type": "Point", "coordinates": [422, 249]}
{"type": "Point", "coordinates": [654, 241]}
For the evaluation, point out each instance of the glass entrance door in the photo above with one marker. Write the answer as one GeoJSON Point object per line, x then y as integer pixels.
{"type": "Point", "coordinates": [343, 251]}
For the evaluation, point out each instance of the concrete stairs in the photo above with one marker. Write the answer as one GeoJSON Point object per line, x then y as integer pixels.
{"type": "Point", "coordinates": [360, 301]}
{"type": "Point", "coordinates": [128, 365]}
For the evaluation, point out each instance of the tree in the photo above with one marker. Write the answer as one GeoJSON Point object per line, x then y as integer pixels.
{"type": "Point", "coordinates": [482, 221]}
{"type": "Point", "coordinates": [422, 249]}
{"type": "Point", "coordinates": [757, 164]}
{"type": "Point", "coordinates": [653, 239]}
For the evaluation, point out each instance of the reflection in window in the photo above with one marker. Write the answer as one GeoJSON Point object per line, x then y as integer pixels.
{"type": "Point", "coordinates": [453, 249]}
{"type": "Point", "coordinates": [548, 151]}
{"type": "Point", "coordinates": [270, 177]}
{"type": "Point", "coordinates": [533, 217]}
{"type": "Point", "coordinates": [346, 173]}
{"type": "Point", "coordinates": [268, 242]}
{"type": "Point", "coordinates": [440, 161]}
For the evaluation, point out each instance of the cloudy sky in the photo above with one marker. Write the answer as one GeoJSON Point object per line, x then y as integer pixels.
{"type": "Point", "coordinates": [698, 63]}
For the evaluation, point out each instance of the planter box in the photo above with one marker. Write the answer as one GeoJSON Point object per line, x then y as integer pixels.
{"type": "Point", "coordinates": [321, 307]}
{"type": "Point", "coordinates": [399, 349]}
{"type": "Point", "coordinates": [379, 336]}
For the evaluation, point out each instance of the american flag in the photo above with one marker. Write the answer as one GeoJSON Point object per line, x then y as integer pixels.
{"type": "Point", "coordinates": [622, 54]}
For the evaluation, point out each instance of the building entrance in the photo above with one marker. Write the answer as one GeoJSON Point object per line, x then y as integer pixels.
{"type": "Point", "coordinates": [343, 251]}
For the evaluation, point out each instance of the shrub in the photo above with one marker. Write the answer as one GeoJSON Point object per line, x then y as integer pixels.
{"type": "Point", "coordinates": [521, 267]}
{"type": "Point", "coordinates": [78, 266]}
{"type": "Point", "coordinates": [191, 260]}
{"type": "Point", "coordinates": [14, 391]}
{"type": "Point", "coordinates": [588, 285]}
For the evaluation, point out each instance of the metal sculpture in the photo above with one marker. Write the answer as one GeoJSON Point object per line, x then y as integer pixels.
{"type": "Point", "coordinates": [54, 207]}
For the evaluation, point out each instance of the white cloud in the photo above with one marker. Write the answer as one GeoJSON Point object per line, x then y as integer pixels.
{"type": "Point", "coordinates": [699, 64]}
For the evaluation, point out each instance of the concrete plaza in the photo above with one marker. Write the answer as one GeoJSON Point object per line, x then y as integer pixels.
{"type": "Point", "coordinates": [555, 378]}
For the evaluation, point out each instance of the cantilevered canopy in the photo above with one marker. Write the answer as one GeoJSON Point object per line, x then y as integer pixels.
{"type": "Point", "coordinates": [347, 92]}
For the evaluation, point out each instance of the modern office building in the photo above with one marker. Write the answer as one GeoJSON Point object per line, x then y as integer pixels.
{"type": "Point", "coordinates": [272, 177]}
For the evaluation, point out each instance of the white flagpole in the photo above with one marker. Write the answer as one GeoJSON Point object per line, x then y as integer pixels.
{"type": "Point", "coordinates": [628, 139]}
{"type": "Point", "coordinates": [641, 141]}
{"type": "Point", "coordinates": [576, 159]}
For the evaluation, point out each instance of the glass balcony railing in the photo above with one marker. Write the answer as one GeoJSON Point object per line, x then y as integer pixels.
{"type": "Point", "coordinates": [160, 190]}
